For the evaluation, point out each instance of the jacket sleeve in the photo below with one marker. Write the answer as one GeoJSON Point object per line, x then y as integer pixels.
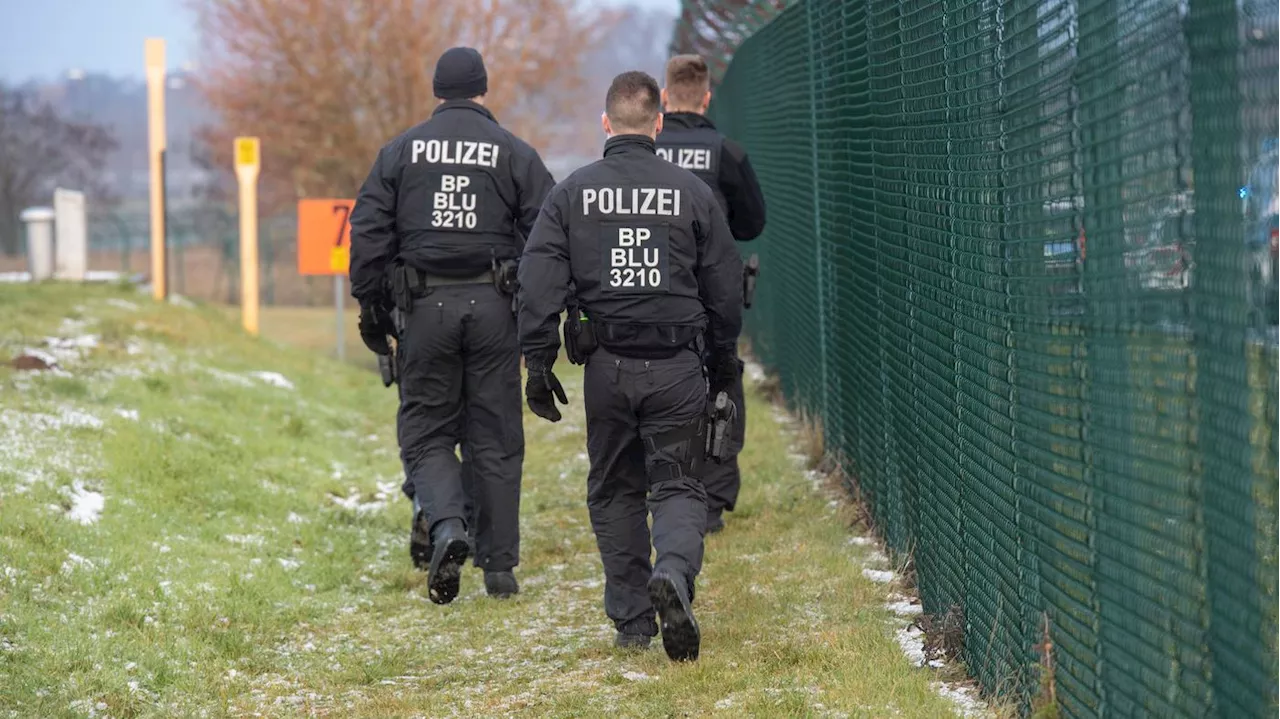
{"type": "Point", "coordinates": [719, 277]}
{"type": "Point", "coordinates": [742, 192]}
{"type": "Point", "coordinates": [373, 231]}
{"type": "Point", "coordinates": [533, 184]}
{"type": "Point", "coordinates": [544, 279]}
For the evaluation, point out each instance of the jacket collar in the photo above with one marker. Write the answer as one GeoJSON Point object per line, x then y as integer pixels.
{"type": "Point", "coordinates": [628, 143]}
{"type": "Point", "coordinates": [686, 120]}
{"type": "Point", "coordinates": [463, 105]}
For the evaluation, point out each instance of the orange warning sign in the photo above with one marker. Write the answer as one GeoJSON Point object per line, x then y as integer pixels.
{"type": "Point", "coordinates": [324, 236]}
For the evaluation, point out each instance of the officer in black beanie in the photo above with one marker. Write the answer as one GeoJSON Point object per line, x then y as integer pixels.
{"type": "Point", "coordinates": [436, 232]}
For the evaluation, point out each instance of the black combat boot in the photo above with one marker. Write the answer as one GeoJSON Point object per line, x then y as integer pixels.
{"type": "Point", "coordinates": [680, 635]}
{"type": "Point", "coordinates": [451, 548]}
{"type": "Point", "coordinates": [638, 642]}
{"type": "Point", "coordinates": [501, 585]}
{"type": "Point", "coordinates": [636, 634]}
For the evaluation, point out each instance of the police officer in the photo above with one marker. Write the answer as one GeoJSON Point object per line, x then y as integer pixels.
{"type": "Point", "coordinates": [443, 214]}
{"type": "Point", "coordinates": [691, 141]}
{"type": "Point", "coordinates": [653, 272]}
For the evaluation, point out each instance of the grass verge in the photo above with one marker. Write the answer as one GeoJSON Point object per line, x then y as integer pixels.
{"type": "Point", "coordinates": [249, 552]}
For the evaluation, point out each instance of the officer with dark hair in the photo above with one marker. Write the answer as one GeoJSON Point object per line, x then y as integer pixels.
{"type": "Point", "coordinates": [640, 253]}
{"type": "Point", "coordinates": [436, 233]}
{"type": "Point", "coordinates": [691, 141]}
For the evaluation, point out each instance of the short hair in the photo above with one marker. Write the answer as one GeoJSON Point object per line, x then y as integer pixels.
{"type": "Point", "coordinates": [688, 80]}
{"type": "Point", "coordinates": [633, 102]}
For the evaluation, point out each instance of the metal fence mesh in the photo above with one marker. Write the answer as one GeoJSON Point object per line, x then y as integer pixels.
{"type": "Point", "coordinates": [1021, 264]}
{"type": "Point", "coordinates": [203, 255]}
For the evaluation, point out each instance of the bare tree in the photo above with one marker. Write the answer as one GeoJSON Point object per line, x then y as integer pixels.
{"type": "Point", "coordinates": [39, 149]}
{"type": "Point", "coordinates": [325, 83]}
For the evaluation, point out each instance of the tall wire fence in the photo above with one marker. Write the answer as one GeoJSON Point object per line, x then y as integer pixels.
{"type": "Point", "coordinates": [1021, 266]}
{"type": "Point", "coordinates": [203, 252]}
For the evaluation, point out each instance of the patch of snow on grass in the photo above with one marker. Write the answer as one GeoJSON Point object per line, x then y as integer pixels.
{"type": "Point", "coordinates": [911, 639]}
{"type": "Point", "coordinates": [120, 304]}
{"type": "Point", "coordinates": [228, 377]}
{"type": "Point", "coordinates": [968, 703]}
{"type": "Point", "coordinates": [131, 414]}
{"type": "Point", "coordinates": [68, 417]}
{"type": "Point", "coordinates": [41, 355]}
{"type": "Point", "coordinates": [878, 575]}
{"type": "Point", "coordinates": [354, 504]}
{"type": "Point", "coordinates": [72, 344]}
{"type": "Point", "coordinates": [275, 379]}
{"type": "Point", "coordinates": [75, 561]}
{"type": "Point", "coordinates": [905, 608]}
{"type": "Point", "coordinates": [31, 448]}
{"type": "Point", "coordinates": [86, 504]}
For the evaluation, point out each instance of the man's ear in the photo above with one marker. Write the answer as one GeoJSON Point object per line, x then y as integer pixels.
{"type": "Point", "coordinates": [706, 101]}
{"type": "Point", "coordinates": [604, 122]}
{"type": "Point", "coordinates": [665, 101]}
{"type": "Point", "coordinates": [658, 129]}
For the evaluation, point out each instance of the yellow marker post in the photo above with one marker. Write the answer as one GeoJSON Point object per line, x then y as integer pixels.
{"type": "Point", "coordinates": [247, 164]}
{"type": "Point", "coordinates": [156, 145]}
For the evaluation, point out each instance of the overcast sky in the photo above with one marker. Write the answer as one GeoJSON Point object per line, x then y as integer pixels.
{"type": "Point", "coordinates": [46, 38]}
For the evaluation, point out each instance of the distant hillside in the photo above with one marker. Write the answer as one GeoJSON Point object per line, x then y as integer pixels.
{"type": "Point", "coordinates": [121, 105]}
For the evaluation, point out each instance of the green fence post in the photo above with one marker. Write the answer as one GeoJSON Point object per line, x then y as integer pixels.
{"type": "Point", "coordinates": [1231, 110]}
{"type": "Point", "coordinates": [819, 256]}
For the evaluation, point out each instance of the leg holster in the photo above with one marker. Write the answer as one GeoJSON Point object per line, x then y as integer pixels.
{"type": "Point", "coordinates": [686, 443]}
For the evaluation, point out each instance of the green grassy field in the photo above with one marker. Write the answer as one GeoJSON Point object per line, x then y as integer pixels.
{"type": "Point", "coordinates": [249, 553]}
{"type": "Point", "coordinates": [312, 328]}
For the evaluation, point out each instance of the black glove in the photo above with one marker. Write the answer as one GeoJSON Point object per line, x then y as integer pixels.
{"type": "Point", "coordinates": [375, 325]}
{"type": "Point", "coordinates": [724, 372]}
{"type": "Point", "coordinates": [541, 388]}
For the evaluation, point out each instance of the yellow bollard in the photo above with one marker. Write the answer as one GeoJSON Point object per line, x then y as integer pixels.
{"type": "Point", "coordinates": [156, 142]}
{"type": "Point", "coordinates": [247, 164]}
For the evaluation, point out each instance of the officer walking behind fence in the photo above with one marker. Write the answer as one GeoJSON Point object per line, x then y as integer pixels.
{"type": "Point", "coordinates": [442, 216]}
{"type": "Point", "coordinates": [691, 141]}
{"type": "Point", "coordinates": [653, 271]}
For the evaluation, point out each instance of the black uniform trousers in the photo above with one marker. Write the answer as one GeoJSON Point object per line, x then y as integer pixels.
{"type": "Point", "coordinates": [723, 481]}
{"type": "Point", "coordinates": [460, 386]}
{"type": "Point", "coordinates": [627, 401]}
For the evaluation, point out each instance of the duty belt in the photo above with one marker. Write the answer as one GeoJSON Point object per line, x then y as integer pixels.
{"type": "Point", "coordinates": [409, 282]}
{"type": "Point", "coordinates": [422, 282]}
{"type": "Point", "coordinates": [484, 278]}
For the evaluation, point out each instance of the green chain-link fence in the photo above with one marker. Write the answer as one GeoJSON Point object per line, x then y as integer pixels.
{"type": "Point", "coordinates": [1021, 263]}
{"type": "Point", "coordinates": [203, 252]}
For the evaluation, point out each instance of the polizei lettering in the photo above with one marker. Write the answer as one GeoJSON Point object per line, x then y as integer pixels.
{"type": "Point", "coordinates": [454, 152]}
{"type": "Point", "coordinates": [631, 201]}
{"type": "Point", "coordinates": [690, 158]}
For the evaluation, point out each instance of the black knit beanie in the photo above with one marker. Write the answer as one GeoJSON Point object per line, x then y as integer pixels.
{"type": "Point", "coordinates": [460, 75]}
